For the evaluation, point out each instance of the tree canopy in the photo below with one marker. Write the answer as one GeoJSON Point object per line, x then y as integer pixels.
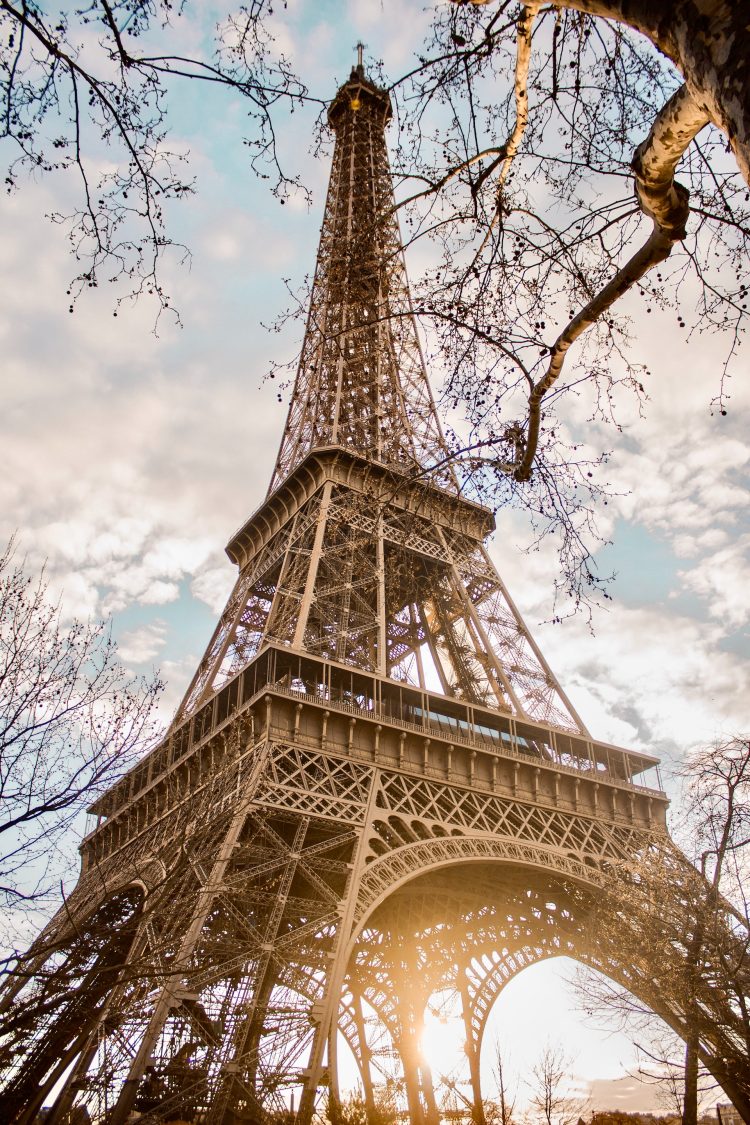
{"type": "Point", "coordinates": [541, 144]}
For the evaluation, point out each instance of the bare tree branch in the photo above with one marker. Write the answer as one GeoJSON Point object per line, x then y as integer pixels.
{"type": "Point", "coordinates": [71, 721]}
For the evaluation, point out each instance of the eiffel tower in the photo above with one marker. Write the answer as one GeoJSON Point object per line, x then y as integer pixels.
{"type": "Point", "coordinates": [375, 799]}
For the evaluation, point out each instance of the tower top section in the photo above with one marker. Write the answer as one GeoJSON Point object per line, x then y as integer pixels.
{"type": "Point", "coordinates": [358, 94]}
{"type": "Point", "coordinates": [361, 383]}
{"type": "Point", "coordinates": [365, 554]}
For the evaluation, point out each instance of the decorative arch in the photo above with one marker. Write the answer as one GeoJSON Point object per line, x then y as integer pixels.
{"type": "Point", "coordinates": [396, 868]}
{"type": "Point", "coordinates": [618, 912]}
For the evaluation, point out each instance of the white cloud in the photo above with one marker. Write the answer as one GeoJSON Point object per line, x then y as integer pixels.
{"type": "Point", "coordinates": [236, 235]}
{"type": "Point", "coordinates": [721, 579]}
{"type": "Point", "coordinates": [143, 645]}
{"type": "Point", "coordinates": [708, 539]}
{"type": "Point", "coordinates": [125, 459]}
{"type": "Point", "coordinates": [625, 1095]}
{"type": "Point", "coordinates": [176, 675]}
{"type": "Point", "coordinates": [214, 585]}
{"type": "Point", "coordinates": [648, 677]}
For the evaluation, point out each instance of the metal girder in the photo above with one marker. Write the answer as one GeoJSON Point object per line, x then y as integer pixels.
{"type": "Point", "coordinates": [361, 381]}
{"type": "Point", "coordinates": [386, 592]}
{"type": "Point", "coordinates": [353, 572]}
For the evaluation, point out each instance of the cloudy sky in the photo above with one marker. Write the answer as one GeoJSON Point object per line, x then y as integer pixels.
{"type": "Point", "coordinates": [128, 458]}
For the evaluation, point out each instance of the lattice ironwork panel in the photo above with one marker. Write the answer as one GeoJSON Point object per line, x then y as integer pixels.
{"type": "Point", "coordinates": [244, 623]}
{"type": "Point", "coordinates": [428, 802]}
{"type": "Point", "coordinates": [319, 783]}
{"type": "Point", "coordinates": [361, 381]}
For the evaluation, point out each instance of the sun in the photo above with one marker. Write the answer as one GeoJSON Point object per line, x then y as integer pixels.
{"type": "Point", "coordinates": [443, 1043]}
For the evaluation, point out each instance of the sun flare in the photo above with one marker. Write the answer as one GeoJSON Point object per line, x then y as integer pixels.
{"type": "Point", "coordinates": [443, 1043]}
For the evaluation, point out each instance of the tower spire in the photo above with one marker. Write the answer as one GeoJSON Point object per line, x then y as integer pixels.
{"type": "Point", "coordinates": [361, 382]}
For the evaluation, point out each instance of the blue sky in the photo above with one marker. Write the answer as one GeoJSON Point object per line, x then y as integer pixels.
{"type": "Point", "coordinates": [128, 459]}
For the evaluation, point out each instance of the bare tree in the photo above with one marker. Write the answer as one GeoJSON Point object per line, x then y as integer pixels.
{"type": "Point", "coordinates": [86, 91]}
{"type": "Point", "coordinates": [72, 720]}
{"type": "Point", "coordinates": [692, 907]}
{"type": "Point", "coordinates": [353, 1110]}
{"type": "Point", "coordinates": [541, 144]}
{"type": "Point", "coordinates": [660, 1064]}
{"type": "Point", "coordinates": [550, 1095]}
{"type": "Point", "coordinates": [714, 821]}
{"type": "Point", "coordinates": [716, 830]}
{"type": "Point", "coordinates": [500, 1111]}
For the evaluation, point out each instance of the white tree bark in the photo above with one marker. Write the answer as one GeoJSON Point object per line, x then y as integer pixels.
{"type": "Point", "coordinates": [709, 43]}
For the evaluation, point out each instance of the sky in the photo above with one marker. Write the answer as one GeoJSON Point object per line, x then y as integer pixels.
{"type": "Point", "coordinates": [128, 458]}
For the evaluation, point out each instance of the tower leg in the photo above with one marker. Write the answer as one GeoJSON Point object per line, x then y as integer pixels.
{"type": "Point", "coordinates": [419, 1089]}
{"type": "Point", "coordinates": [29, 1114]}
{"type": "Point", "coordinates": [432, 1117]}
{"type": "Point", "coordinates": [339, 960]}
{"type": "Point", "coordinates": [333, 1063]}
{"type": "Point", "coordinates": [364, 1058]}
{"type": "Point", "coordinates": [167, 997]}
{"type": "Point", "coordinates": [68, 1003]}
{"type": "Point", "coordinates": [473, 1051]}
{"type": "Point", "coordinates": [64, 1103]}
{"type": "Point", "coordinates": [410, 1064]}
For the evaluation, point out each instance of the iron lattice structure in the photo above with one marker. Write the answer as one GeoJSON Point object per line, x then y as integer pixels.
{"type": "Point", "coordinates": [375, 797]}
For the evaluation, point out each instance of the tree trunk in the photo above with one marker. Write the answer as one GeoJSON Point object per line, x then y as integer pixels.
{"type": "Point", "coordinates": [690, 1100]}
{"type": "Point", "coordinates": [709, 43]}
